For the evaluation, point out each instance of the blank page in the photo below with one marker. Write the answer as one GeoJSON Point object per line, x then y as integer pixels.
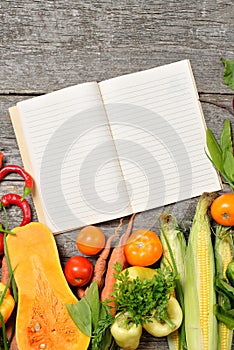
{"type": "Point", "coordinates": [74, 164]}
{"type": "Point", "coordinates": [159, 132]}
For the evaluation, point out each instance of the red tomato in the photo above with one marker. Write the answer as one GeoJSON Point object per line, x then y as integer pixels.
{"type": "Point", "coordinates": [143, 248]}
{"type": "Point", "coordinates": [78, 271]}
{"type": "Point", "coordinates": [1, 244]}
{"type": "Point", "coordinates": [222, 209]}
{"type": "Point", "coordinates": [90, 240]}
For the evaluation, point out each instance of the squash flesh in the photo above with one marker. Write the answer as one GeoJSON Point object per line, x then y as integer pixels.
{"type": "Point", "coordinates": [42, 319]}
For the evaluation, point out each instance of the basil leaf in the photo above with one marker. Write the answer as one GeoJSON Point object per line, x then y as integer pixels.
{"type": "Point", "coordinates": [228, 75]}
{"type": "Point", "coordinates": [81, 315]}
{"type": "Point", "coordinates": [226, 137]}
{"type": "Point", "coordinates": [92, 298]}
{"type": "Point", "coordinates": [228, 165]}
{"type": "Point", "coordinates": [214, 150]}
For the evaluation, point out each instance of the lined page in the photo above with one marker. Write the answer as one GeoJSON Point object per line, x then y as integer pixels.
{"type": "Point", "coordinates": [159, 133]}
{"type": "Point", "coordinates": [73, 158]}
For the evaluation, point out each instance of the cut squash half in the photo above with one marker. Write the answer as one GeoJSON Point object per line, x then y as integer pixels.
{"type": "Point", "coordinates": [42, 320]}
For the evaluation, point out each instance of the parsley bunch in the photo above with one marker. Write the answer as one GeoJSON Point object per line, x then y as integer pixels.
{"type": "Point", "coordinates": [142, 298]}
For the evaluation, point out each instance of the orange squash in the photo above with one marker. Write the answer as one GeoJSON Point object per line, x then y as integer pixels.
{"type": "Point", "coordinates": [42, 319]}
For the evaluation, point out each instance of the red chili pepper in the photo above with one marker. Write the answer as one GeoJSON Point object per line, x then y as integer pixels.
{"type": "Point", "coordinates": [1, 158]}
{"type": "Point", "coordinates": [12, 198]}
{"type": "Point", "coordinates": [26, 176]}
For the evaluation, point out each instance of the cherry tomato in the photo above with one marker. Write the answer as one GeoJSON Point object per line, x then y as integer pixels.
{"type": "Point", "coordinates": [1, 244]}
{"type": "Point", "coordinates": [78, 271]}
{"type": "Point", "coordinates": [90, 240]}
{"type": "Point", "coordinates": [143, 248]}
{"type": "Point", "coordinates": [222, 209]}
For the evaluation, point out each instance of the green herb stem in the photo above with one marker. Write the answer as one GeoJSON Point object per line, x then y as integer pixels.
{"type": "Point", "coordinates": [13, 285]}
{"type": "Point", "coordinates": [4, 335]}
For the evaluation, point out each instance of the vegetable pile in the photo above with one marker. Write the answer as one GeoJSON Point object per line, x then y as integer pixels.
{"type": "Point", "coordinates": [164, 286]}
{"type": "Point", "coordinates": [142, 281]}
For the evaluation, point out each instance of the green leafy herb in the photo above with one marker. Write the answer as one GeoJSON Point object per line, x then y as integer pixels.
{"type": "Point", "coordinates": [94, 319]}
{"type": "Point", "coordinates": [102, 338]}
{"type": "Point", "coordinates": [92, 297]}
{"type": "Point", "coordinates": [140, 297]}
{"type": "Point", "coordinates": [222, 155]}
{"type": "Point", "coordinates": [228, 75]}
{"type": "Point", "coordinates": [80, 313]}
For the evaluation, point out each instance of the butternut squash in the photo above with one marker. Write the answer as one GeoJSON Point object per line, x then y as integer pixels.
{"type": "Point", "coordinates": [42, 320]}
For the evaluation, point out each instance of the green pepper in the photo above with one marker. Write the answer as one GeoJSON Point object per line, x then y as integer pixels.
{"type": "Point", "coordinates": [162, 329]}
{"type": "Point", "coordinates": [230, 272]}
{"type": "Point", "coordinates": [125, 332]}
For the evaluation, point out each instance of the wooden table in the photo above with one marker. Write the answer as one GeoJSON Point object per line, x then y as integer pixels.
{"type": "Point", "coordinates": [47, 45]}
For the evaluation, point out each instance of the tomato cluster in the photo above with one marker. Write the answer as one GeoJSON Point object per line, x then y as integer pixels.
{"type": "Point", "coordinates": [143, 248]}
{"type": "Point", "coordinates": [79, 269]}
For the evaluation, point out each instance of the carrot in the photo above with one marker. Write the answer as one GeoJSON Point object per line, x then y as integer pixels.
{"type": "Point", "coordinates": [5, 271]}
{"type": "Point", "coordinates": [116, 256]}
{"type": "Point", "coordinates": [100, 266]}
{"type": "Point", "coordinates": [14, 345]}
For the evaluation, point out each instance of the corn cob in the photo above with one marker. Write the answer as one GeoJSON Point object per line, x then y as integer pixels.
{"type": "Point", "coordinates": [223, 255]}
{"type": "Point", "coordinates": [177, 243]}
{"type": "Point", "coordinates": [199, 292]}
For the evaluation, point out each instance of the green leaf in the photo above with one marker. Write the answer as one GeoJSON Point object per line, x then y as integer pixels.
{"type": "Point", "coordinates": [92, 298]}
{"type": "Point", "coordinates": [214, 150]}
{"type": "Point", "coordinates": [227, 289]}
{"type": "Point", "coordinates": [224, 316]}
{"type": "Point", "coordinates": [228, 165]}
{"type": "Point", "coordinates": [228, 75]}
{"type": "Point", "coordinates": [101, 335]}
{"type": "Point", "coordinates": [226, 137]}
{"type": "Point", "coordinates": [80, 313]}
{"type": "Point", "coordinates": [106, 340]}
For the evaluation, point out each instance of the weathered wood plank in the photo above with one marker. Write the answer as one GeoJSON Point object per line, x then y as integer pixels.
{"type": "Point", "coordinates": [48, 45]}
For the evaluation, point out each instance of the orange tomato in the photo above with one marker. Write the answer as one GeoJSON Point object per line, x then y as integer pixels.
{"type": "Point", "coordinates": [143, 248]}
{"type": "Point", "coordinates": [222, 209]}
{"type": "Point", "coordinates": [90, 240]}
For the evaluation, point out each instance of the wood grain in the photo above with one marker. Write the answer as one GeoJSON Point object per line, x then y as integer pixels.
{"type": "Point", "coordinates": [47, 45]}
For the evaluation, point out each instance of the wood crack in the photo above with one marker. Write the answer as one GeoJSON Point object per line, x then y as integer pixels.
{"type": "Point", "coordinates": [218, 104]}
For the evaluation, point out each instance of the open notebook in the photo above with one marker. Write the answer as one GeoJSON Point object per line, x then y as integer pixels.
{"type": "Point", "coordinates": [99, 151]}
